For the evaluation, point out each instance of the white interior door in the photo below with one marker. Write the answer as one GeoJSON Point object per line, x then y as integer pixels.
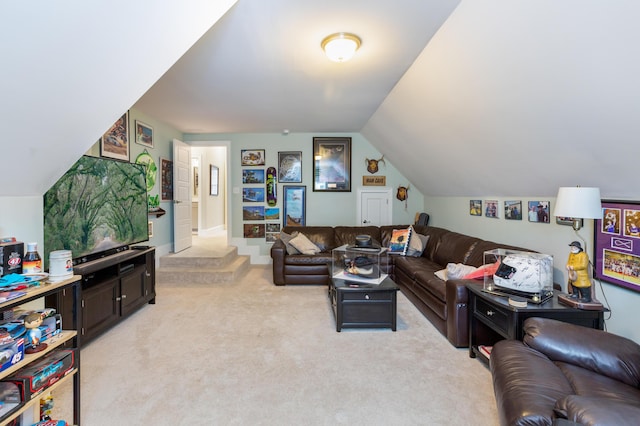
{"type": "Point", "coordinates": [181, 196]}
{"type": "Point", "coordinates": [374, 207]}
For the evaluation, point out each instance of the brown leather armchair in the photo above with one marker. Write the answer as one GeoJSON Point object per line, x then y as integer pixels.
{"type": "Point", "coordinates": [565, 371]}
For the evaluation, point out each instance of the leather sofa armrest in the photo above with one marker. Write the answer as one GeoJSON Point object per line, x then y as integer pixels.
{"type": "Point", "coordinates": [604, 353]}
{"type": "Point", "coordinates": [586, 410]}
{"type": "Point", "coordinates": [458, 311]}
{"type": "Point", "coordinates": [278, 252]}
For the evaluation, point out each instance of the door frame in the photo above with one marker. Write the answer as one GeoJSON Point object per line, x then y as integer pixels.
{"type": "Point", "coordinates": [383, 189]}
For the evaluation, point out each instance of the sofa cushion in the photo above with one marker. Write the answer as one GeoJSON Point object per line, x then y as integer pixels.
{"type": "Point", "coordinates": [286, 239]}
{"type": "Point", "coordinates": [303, 244]}
{"type": "Point", "coordinates": [454, 248]}
{"type": "Point", "coordinates": [347, 234]}
{"type": "Point", "coordinates": [399, 241]}
{"type": "Point", "coordinates": [417, 244]}
{"type": "Point", "coordinates": [321, 236]}
{"type": "Point", "coordinates": [587, 383]}
{"type": "Point", "coordinates": [590, 411]}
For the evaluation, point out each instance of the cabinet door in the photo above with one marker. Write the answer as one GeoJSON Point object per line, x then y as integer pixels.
{"type": "Point", "coordinates": [100, 307]}
{"type": "Point", "coordinates": [132, 288]}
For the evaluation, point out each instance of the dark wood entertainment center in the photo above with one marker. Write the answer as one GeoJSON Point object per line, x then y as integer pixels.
{"type": "Point", "coordinates": [113, 288]}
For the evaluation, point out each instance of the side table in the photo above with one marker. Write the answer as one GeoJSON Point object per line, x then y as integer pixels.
{"type": "Point", "coordinates": [491, 318]}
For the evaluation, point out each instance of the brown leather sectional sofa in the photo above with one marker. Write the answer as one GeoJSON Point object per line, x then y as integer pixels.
{"type": "Point", "coordinates": [444, 303]}
{"type": "Point", "coordinates": [565, 371]}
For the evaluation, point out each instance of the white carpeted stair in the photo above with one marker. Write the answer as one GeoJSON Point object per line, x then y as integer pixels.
{"type": "Point", "coordinates": [202, 265]}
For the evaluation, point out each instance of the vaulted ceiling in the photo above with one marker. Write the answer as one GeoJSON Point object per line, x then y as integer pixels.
{"type": "Point", "coordinates": [470, 97]}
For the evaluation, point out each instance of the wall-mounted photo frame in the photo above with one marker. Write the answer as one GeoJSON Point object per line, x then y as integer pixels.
{"type": "Point", "coordinates": [252, 212]}
{"type": "Point", "coordinates": [491, 209]}
{"type": "Point", "coordinates": [253, 195]}
{"type": "Point", "coordinates": [475, 207]}
{"type": "Point", "coordinates": [290, 167]}
{"type": "Point", "coordinates": [294, 205]}
{"type": "Point", "coordinates": [252, 157]}
{"type": "Point", "coordinates": [144, 134]}
{"type": "Point", "coordinates": [272, 213]}
{"type": "Point", "coordinates": [166, 176]}
{"type": "Point", "coordinates": [513, 210]}
{"type": "Point", "coordinates": [539, 211]}
{"type": "Point", "coordinates": [150, 229]}
{"type": "Point", "coordinates": [617, 244]}
{"type": "Point", "coordinates": [332, 164]}
{"type": "Point", "coordinates": [252, 176]}
{"type": "Point", "coordinates": [214, 179]}
{"type": "Point", "coordinates": [115, 142]}
{"type": "Point", "coordinates": [253, 230]}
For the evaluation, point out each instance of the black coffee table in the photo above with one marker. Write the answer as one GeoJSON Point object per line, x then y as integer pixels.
{"type": "Point", "coordinates": [362, 305]}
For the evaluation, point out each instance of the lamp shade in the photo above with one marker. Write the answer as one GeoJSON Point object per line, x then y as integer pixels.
{"type": "Point", "coordinates": [340, 47]}
{"type": "Point", "coordinates": [578, 202]}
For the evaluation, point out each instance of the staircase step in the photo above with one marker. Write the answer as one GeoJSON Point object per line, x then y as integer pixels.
{"type": "Point", "coordinates": [190, 259]}
{"type": "Point", "coordinates": [203, 274]}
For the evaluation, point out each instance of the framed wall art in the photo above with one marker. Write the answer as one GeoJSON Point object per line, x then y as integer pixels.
{"type": "Point", "coordinates": [290, 167]}
{"type": "Point", "coordinates": [253, 195]}
{"type": "Point", "coordinates": [332, 164]}
{"type": "Point", "coordinates": [491, 209]}
{"type": "Point", "coordinates": [294, 205]}
{"type": "Point", "coordinates": [253, 230]}
{"type": "Point", "coordinates": [617, 244]}
{"type": "Point", "coordinates": [144, 134]}
{"type": "Point", "coordinates": [252, 212]}
{"type": "Point", "coordinates": [115, 142]}
{"type": "Point", "coordinates": [475, 207]}
{"type": "Point", "coordinates": [166, 175]}
{"type": "Point", "coordinates": [513, 210]}
{"type": "Point", "coordinates": [538, 211]}
{"type": "Point", "coordinates": [214, 179]}
{"type": "Point", "coordinates": [253, 176]}
{"type": "Point", "coordinates": [252, 157]}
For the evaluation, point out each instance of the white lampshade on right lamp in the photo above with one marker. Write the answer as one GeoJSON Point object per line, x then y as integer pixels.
{"type": "Point", "coordinates": [578, 202]}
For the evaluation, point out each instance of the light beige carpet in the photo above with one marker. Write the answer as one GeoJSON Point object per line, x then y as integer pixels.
{"type": "Point", "coordinates": [251, 353]}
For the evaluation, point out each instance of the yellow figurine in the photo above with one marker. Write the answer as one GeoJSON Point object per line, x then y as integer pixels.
{"type": "Point", "coordinates": [578, 270]}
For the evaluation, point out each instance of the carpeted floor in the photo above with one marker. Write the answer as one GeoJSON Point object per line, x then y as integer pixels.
{"type": "Point", "coordinates": [252, 353]}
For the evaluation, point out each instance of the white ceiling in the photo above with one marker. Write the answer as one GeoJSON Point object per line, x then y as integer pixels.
{"type": "Point", "coordinates": [486, 97]}
{"type": "Point", "coordinates": [261, 68]}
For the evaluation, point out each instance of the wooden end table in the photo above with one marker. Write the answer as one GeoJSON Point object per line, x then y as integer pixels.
{"type": "Point", "coordinates": [491, 318]}
{"type": "Point", "coordinates": [360, 305]}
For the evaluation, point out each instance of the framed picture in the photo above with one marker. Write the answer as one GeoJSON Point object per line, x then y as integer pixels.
{"type": "Point", "coordinates": [213, 180]}
{"type": "Point", "coordinates": [273, 227]}
{"type": "Point", "coordinates": [475, 207]}
{"type": "Point", "coordinates": [252, 212]}
{"type": "Point", "coordinates": [538, 211]}
{"type": "Point", "coordinates": [144, 134]}
{"type": "Point", "coordinates": [290, 167]}
{"type": "Point", "coordinates": [332, 164]}
{"type": "Point", "coordinates": [254, 230]}
{"type": "Point", "coordinates": [513, 210]}
{"type": "Point", "coordinates": [115, 142]}
{"type": "Point", "coordinates": [150, 229]}
{"type": "Point", "coordinates": [617, 244]}
{"type": "Point", "coordinates": [196, 180]}
{"type": "Point", "coordinates": [294, 205]}
{"type": "Point", "coordinates": [253, 195]}
{"type": "Point", "coordinates": [252, 157]}
{"type": "Point", "coordinates": [166, 172]}
{"type": "Point", "coordinates": [491, 209]}
{"type": "Point", "coordinates": [272, 213]}
{"type": "Point", "coordinates": [253, 176]}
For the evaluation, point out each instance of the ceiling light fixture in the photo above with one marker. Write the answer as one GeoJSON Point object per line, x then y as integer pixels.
{"type": "Point", "coordinates": [340, 47]}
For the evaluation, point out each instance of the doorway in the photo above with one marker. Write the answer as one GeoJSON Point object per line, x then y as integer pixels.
{"type": "Point", "coordinates": [210, 207]}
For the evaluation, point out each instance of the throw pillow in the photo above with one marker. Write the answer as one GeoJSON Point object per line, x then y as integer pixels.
{"type": "Point", "coordinates": [458, 270]}
{"type": "Point", "coordinates": [442, 274]}
{"type": "Point", "coordinates": [286, 239]}
{"type": "Point", "coordinates": [399, 241]}
{"type": "Point", "coordinates": [304, 245]}
{"type": "Point", "coordinates": [417, 244]}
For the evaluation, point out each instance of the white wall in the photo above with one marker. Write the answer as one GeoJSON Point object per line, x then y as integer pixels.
{"type": "Point", "coordinates": [453, 213]}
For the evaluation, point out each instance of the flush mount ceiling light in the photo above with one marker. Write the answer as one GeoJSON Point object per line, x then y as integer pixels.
{"type": "Point", "coordinates": [341, 47]}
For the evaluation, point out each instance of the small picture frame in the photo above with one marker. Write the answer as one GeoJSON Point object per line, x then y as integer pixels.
{"type": "Point", "coordinates": [272, 213]}
{"type": "Point", "coordinates": [115, 142]}
{"type": "Point", "coordinates": [150, 229]}
{"type": "Point", "coordinates": [252, 176]}
{"type": "Point", "coordinates": [513, 210]}
{"type": "Point", "coordinates": [166, 173]}
{"type": "Point", "coordinates": [144, 134]}
{"type": "Point", "coordinates": [290, 166]}
{"type": "Point", "coordinates": [253, 195]}
{"type": "Point", "coordinates": [475, 207]}
{"type": "Point", "coordinates": [491, 209]}
{"type": "Point", "coordinates": [252, 212]}
{"type": "Point", "coordinates": [213, 180]}
{"type": "Point", "coordinates": [252, 157]}
{"type": "Point", "coordinates": [538, 211]}
{"type": "Point", "coordinates": [253, 230]}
